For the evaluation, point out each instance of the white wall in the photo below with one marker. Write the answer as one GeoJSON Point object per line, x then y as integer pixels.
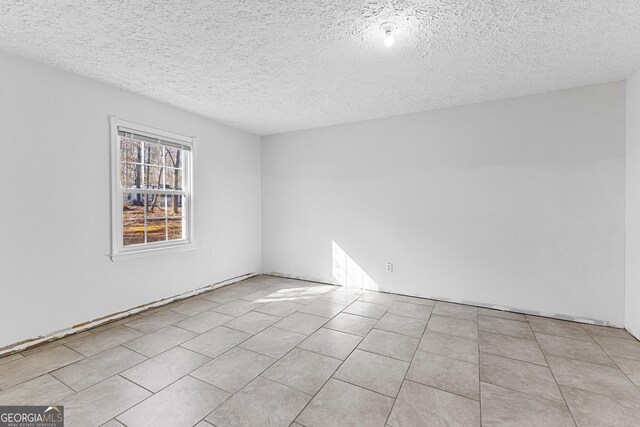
{"type": "Point", "coordinates": [632, 295]}
{"type": "Point", "coordinates": [518, 203]}
{"type": "Point", "coordinates": [55, 211]}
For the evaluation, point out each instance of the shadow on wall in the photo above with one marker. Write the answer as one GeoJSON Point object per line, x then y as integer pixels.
{"type": "Point", "coordinates": [347, 272]}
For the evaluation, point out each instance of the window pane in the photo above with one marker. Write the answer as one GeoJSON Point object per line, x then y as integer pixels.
{"type": "Point", "coordinates": [174, 205]}
{"type": "Point", "coordinates": [156, 205]}
{"type": "Point", "coordinates": [151, 166]}
{"type": "Point", "coordinates": [130, 150]}
{"type": "Point", "coordinates": [133, 232]}
{"type": "Point", "coordinates": [130, 175]}
{"type": "Point", "coordinates": [175, 228]}
{"type": "Point", "coordinates": [173, 178]}
{"type": "Point", "coordinates": [153, 177]}
{"type": "Point", "coordinates": [153, 154]}
{"type": "Point", "coordinates": [156, 230]}
{"type": "Point", "coordinates": [174, 157]}
{"type": "Point", "coordinates": [132, 206]}
{"type": "Point", "coordinates": [123, 175]}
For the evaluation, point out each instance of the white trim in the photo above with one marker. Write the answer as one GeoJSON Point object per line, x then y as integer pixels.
{"type": "Point", "coordinates": [147, 251]}
{"type": "Point", "coordinates": [115, 172]}
{"type": "Point", "coordinates": [153, 132]}
{"type": "Point", "coordinates": [118, 250]}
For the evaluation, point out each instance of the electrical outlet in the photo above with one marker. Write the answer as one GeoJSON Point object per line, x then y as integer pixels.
{"type": "Point", "coordinates": [390, 267]}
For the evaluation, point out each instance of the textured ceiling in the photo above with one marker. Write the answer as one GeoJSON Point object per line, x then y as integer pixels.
{"type": "Point", "coordinates": [277, 65]}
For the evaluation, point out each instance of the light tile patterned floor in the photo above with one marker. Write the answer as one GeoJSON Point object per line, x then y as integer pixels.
{"type": "Point", "coordinates": [277, 352]}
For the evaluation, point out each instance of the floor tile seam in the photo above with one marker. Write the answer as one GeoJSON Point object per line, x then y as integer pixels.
{"type": "Point", "coordinates": [49, 372]}
{"type": "Point", "coordinates": [197, 334]}
{"type": "Point", "coordinates": [594, 336]}
{"type": "Point", "coordinates": [611, 358]}
{"type": "Point", "coordinates": [275, 302]}
{"type": "Point", "coordinates": [124, 325]}
{"type": "Point", "coordinates": [388, 306]}
{"type": "Point", "coordinates": [327, 380]}
{"type": "Point", "coordinates": [338, 330]}
{"type": "Point", "coordinates": [445, 390]}
{"type": "Point", "coordinates": [444, 355]}
{"type": "Point", "coordinates": [504, 335]}
{"type": "Point", "coordinates": [520, 360]}
{"type": "Point", "coordinates": [312, 351]}
{"type": "Point", "coordinates": [563, 336]}
{"type": "Point", "coordinates": [189, 315]}
{"type": "Point", "coordinates": [382, 355]}
{"type": "Point", "coordinates": [514, 359]}
{"type": "Point", "coordinates": [493, 316]}
{"type": "Point", "coordinates": [613, 365]}
{"type": "Point", "coordinates": [593, 363]}
{"type": "Point", "coordinates": [154, 393]}
{"type": "Point", "coordinates": [238, 344]}
{"type": "Point", "coordinates": [404, 335]}
{"type": "Point", "coordinates": [137, 352]}
{"type": "Point", "coordinates": [558, 401]}
{"type": "Point", "coordinates": [510, 336]}
{"type": "Point", "coordinates": [52, 373]}
{"type": "Point", "coordinates": [404, 379]}
{"type": "Point", "coordinates": [452, 317]}
{"type": "Point", "coordinates": [367, 388]}
{"type": "Point", "coordinates": [564, 399]}
{"type": "Point", "coordinates": [293, 332]}
{"type": "Point", "coordinates": [158, 354]}
{"type": "Point", "coordinates": [35, 378]}
{"type": "Point", "coordinates": [343, 332]}
{"type": "Point", "coordinates": [241, 388]}
{"type": "Point", "coordinates": [104, 380]}
{"type": "Point", "coordinates": [54, 341]}
{"type": "Point", "coordinates": [447, 357]}
{"type": "Point", "coordinates": [267, 379]}
{"type": "Point", "coordinates": [596, 392]}
{"type": "Point", "coordinates": [409, 317]}
{"type": "Point", "coordinates": [188, 374]}
{"type": "Point", "coordinates": [617, 398]}
{"type": "Point", "coordinates": [261, 375]}
{"type": "Point", "coordinates": [252, 333]}
{"type": "Point", "coordinates": [390, 357]}
{"type": "Point", "coordinates": [360, 315]}
{"type": "Point", "coordinates": [526, 322]}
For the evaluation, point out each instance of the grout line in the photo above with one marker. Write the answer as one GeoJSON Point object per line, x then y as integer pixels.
{"type": "Point", "coordinates": [611, 358]}
{"type": "Point", "coordinates": [444, 390]}
{"type": "Point", "coordinates": [408, 368]}
{"type": "Point", "coordinates": [332, 375]}
{"type": "Point", "coordinates": [556, 380]}
{"type": "Point", "coordinates": [316, 298]}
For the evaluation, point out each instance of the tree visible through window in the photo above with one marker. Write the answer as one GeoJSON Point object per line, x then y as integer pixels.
{"type": "Point", "coordinates": [154, 189]}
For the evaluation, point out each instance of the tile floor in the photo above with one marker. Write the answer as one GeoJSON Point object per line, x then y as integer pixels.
{"type": "Point", "coordinates": [278, 352]}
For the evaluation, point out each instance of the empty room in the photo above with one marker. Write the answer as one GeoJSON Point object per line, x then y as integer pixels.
{"type": "Point", "coordinates": [320, 213]}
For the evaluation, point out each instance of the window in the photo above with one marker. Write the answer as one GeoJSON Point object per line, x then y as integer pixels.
{"type": "Point", "coordinates": [152, 195]}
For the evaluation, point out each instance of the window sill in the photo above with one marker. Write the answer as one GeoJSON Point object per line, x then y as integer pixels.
{"type": "Point", "coordinates": [153, 251]}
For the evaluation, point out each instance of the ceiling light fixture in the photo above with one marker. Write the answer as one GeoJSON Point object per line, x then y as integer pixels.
{"type": "Point", "coordinates": [388, 28]}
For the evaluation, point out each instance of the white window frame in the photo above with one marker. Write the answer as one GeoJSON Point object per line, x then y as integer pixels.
{"type": "Point", "coordinates": [118, 250]}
